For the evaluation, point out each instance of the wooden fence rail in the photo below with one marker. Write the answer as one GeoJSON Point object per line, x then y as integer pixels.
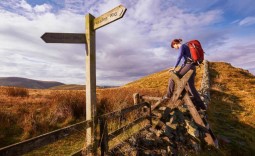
{"type": "Point", "coordinates": [148, 99]}
{"type": "Point", "coordinates": [118, 146]}
{"type": "Point", "coordinates": [39, 141]}
{"type": "Point", "coordinates": [105, 137]}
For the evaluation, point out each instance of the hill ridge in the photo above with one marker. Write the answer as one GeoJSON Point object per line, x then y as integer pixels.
{"type": "Point", "coordinates": [28, 83]}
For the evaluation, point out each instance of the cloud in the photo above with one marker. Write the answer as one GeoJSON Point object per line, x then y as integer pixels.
{"type": "Point", "coordinates": [25, 5]}
{"type": "Point", "coordinates": [132, 47]}
{"type": "Point", "coordinates": [82, 6]}
{"type": "Point", "coordinates": [42, 8]}
{"type": "Point", "coordinates": [30, 56]}
{"type": "Point", "coordinates": [239, 55]}
{"type": "Point", "coordinates": [247, 21]}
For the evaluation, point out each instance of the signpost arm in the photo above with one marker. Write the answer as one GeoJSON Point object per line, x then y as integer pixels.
{"type": "Point", "coordinates": [91, 81]}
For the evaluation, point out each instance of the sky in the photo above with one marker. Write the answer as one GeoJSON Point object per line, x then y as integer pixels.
{"type": "Point", "coordinates": [126, 50]}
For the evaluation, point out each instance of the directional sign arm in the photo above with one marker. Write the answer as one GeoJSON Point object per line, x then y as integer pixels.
{"type": "Point", "coordinates": [63, 38]}
{"type": "Point", "coordinates": [109, 17]}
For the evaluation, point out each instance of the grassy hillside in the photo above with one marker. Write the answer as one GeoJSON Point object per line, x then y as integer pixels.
{"type": "Point", "coordinates": [231, 112]}
{"type": "Point", "coordinates": [159, 80]}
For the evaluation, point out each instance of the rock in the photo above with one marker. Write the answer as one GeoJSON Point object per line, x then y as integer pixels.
{"type": "Point", "coordinates": [150, 135]}
{"type": "Point", "coordinates": [172, 126]}
{"type": "Point", "coordinates": [159, 133]}
{"type": "Point", "coordinates": [158, 115]}
{"type": "Point", "coordinates": [160, 125]}
{"type": "Point", "coordinates": [132, 141]}
{"type": "Point", "coordinates": [165, 116]}
{"type": "Point", "coordinates": [178, 116]}
{"type": "Point", "coordinates": [162, 108]}
{"type": "Point", "coordinates": [170, 132]}
{"type": "Point", "coordinates": [166, 139]}
{"type": "Point", "coordinates": [196, 146]}
{"type": "Point", "coordinates": [192, 129]}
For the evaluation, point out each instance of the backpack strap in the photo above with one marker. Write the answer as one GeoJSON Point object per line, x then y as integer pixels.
{"type": "Point", "coordinates": [190, 59]}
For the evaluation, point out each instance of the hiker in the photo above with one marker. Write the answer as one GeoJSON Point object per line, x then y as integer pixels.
{"type": "Point", "coordinates": [184, 53]}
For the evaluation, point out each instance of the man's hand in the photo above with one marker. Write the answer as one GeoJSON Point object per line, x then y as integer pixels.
{"type": "Point", "coordinates": [171, 70]}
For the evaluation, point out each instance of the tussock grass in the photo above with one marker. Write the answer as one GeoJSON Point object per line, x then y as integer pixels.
{"type": "Point", "coordinates": [43, 111]}
{"type": "Point", "coordinates": [71, 103]}
{"type": "Point", "coordinates": [122, 97]}
{"type": "Point", "coordinates": [17, 91]}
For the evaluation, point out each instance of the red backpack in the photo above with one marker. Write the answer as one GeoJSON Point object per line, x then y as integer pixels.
{"type": "Point", "coordinates": [196, 51]}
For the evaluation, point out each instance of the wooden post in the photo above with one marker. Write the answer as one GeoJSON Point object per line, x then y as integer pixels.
{"type": "Point", "coordinates": [104, 137]}
{"type": "Point", "coordinates": [195, 115]}
{"type": "Point", "coordinates": [150, 114]}
{"type": "Point", "coordinates": [91, 82]}
{"type": "Point", "coordinates": [180, 84]}
{"type": "Point", "coordinates": [136, 97]}
{"type": "Point", "coordinates": [120, 120]}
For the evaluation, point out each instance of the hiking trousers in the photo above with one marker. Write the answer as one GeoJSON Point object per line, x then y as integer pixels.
{"type": "Point", "coordinates": [191, 82]}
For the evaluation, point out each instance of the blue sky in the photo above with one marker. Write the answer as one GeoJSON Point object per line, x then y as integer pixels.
{"type": "Point", "coordinates": [128, 49]}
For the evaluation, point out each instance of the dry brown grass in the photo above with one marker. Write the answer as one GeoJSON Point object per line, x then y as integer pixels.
{"type": "Point", "coordinates": [44, 110]}
{"type": "Point", "coordinates": [17, 91]}
{"type": "Point", "coordinates": [70, 103]}
{"type": "Point", "coordinates": [19, 116]}
{"type": "Point", "coordinates": [122, 97]}
{"type": "Point", "coordinates": [159, 80]}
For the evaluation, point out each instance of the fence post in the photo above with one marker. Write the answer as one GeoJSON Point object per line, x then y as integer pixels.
{"type": "Point", "coordinates": [104, 136]}
{"type": "Point", "coordinates": [136, 97]}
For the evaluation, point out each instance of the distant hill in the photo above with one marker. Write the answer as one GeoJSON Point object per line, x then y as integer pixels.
{"type": "Point", "coordinates": [27, 83]}
{"type": "Point", "coordinates": [37, 84]}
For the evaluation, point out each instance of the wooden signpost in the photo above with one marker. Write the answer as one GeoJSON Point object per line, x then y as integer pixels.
{"type": "Point", "coordinates": [109, 17]}
{"type": "Point", "coordinates": [63, 38]}
{"type": "Point", "coordinates": [92, 24]}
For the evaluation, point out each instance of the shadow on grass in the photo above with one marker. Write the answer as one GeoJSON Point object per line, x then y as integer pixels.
{"type": "Point", "coordinates": [236, 137]}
